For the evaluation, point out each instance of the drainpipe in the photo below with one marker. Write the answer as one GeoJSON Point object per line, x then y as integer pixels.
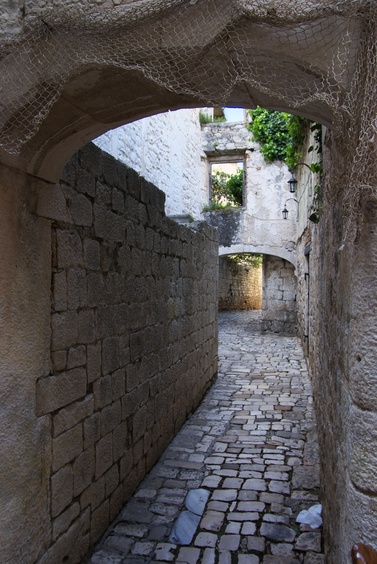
{"type": "Point", "coordinates": [307, 250]}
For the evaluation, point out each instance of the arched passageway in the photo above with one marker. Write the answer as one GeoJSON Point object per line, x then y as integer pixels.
{"type": "Point", "coordinates": [68, 75]}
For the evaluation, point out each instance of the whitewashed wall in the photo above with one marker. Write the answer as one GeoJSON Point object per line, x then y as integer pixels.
{"type": "Point", "coordinates": [260, 224]}
{"type": "Point", "coordinates": [166, 149]}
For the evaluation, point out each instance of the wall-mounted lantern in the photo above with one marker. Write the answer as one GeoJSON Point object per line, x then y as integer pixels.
{"type": "Point", "coordinates": [292, 183]}
{"type": "Point", "coordinates": [285, 211]}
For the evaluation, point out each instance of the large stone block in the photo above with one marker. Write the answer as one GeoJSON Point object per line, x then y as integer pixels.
{"type": "Point", "coordinates": [86, 326]}
{"type": "Point", "coordinates": [60, 390]}
{"type": "Point", "coordinates": [120, 440]}
{"type": "Point", "coordinates": [66, 447]}
{"type": "Point", "coordinates": [76, 285]}
{"type": "Point", "coordinates": [110, 417]}
{"type": "Point", "coordinates": [100, 520]}
{"type": "Point", "coordinates": [60, 291]}
{"type": "Point", "coordinates": [94, 361]}
{"type": "Point", "coordinates": [110, 355]}
{"type": "Point", "coordinates": [83, 471]}
{"type": "Point", "coordinates": [72, 546]}
{"type": "Point", "coordinates": [104, 455]}
{"type": "Point", "coordinates": [92, 254]}
{"type": "Point", "coordinates": [64, 330]}
{"type": "Point", "coordinates": [103, 392]}
{"type": "Point", "coordinates": [92, 429]}
{"type": "Point", "coordinates": [76, 357]}
{"type": "Point", "coordinates": [363, 449]}
{"type": "Point", "coordinates": [69, 249]}
{"type": "Point", "coordinates": [64, 520]}
{"type": "Point", "coordinates": [61, 490]}
{"type": "Point", "coordinates": [73, 414]}
{"type": "Point", "coordinates": [79, 207]}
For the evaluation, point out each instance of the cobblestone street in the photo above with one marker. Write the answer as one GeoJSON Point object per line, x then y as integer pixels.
{"type": "Point", "coordinates": [229, 487]}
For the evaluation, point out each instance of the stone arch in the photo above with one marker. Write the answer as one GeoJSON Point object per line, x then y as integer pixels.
{"type": "Point", "coordinates": [87, 72]}
{"type": "Point", "coordinates": [285, 254]}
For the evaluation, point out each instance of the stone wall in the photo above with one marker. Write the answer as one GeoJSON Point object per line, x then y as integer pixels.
{"type": "Point", "coordinates": [240, 285]}
{"type": "Point", "coordinates": [166, 150]}
{"type": "Point", "coordinates": [133, 342]}
{"type": "Point", "coordinates": [343, 290]}
{"type": "Point", "coordinates": [279, 296]}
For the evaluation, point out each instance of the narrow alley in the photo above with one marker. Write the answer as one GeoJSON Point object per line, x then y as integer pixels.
{"type": "Point", "coordinates": [229, 487]}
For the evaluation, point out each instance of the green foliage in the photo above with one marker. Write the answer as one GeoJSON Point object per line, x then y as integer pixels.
{"type": "Point", "coordinates": [281, 135]}
{"type": "Point", "coordinates": [227, 187]}
{"type": "Point", "coordinates": [205, 118]}
{"type": "Point", "coordinates": [215, 206]}
{"type": "Point", "coordinates": [247, 259]}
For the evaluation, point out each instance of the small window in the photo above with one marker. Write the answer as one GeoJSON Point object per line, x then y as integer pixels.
{"type": "Point", "coordinates": [227, 183]}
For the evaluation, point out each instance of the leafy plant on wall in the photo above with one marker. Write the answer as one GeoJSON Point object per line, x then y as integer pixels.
{"type": "Point", "coordinates": [280, 135]}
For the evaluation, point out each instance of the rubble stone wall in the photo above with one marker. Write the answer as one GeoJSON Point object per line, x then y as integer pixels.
{"type": "Point", "coordinates": [240, 286]}
{"type": "Point", "coordinates": [279, 296]}
{"type": "Point", "coordinates": [133, 341]}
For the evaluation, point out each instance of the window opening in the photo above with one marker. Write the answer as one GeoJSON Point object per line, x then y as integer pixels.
{"type": "Point", "coordinates": [227, 181]}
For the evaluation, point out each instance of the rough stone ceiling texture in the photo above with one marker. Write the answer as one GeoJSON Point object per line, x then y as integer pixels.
{"type": "Point", "coordinates": [113, 61]}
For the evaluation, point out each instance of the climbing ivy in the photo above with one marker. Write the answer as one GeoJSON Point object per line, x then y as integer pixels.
{"type": "Point", "coordinates": [281, 135]}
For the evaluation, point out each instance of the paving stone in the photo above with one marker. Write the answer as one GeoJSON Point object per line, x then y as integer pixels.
{"type": "Point", "coordinates": [248, 559]}
{"type": "Point", "coordinates": [309, 541]}
{"type": "Point", "coordinates": [120, 543]}
{"type": "Point", "coordinates": [254, 484]}
{"type": "Point", "coordinates": [212, 521]}
{"type": "Point", "coordinates": [143, 548]}
{"type": "Point", "coordinates": [312, 558]}
{"type": "Point", "coordinates": [218, 506]}
{"type": "Point", "coordinates": [229, 542]}
{"type": "Point", "coordinates": [104, 557]}
{"type": "Point", "coordinates": [211, 481]}
{"type": "Point", "coordinates": [224, 495]}
{"type": "Point", "coordinates": [281, 549]}
{"type": "Point", "coordinates": [280, 533]}
{"type": "Point", "coordinates": [184, 528]}
{"type": "Point", "coordinates": [209, 556]}
{"type": "Point", "coordinates": [233, 528]}
{"type": "Point", "coordinates": [165, 552]}
{"type": "Point", "coordinates": [196, 501]}
{"type": "Point", "coordinates": [188, 555]}
{"type": "Point", "coordinates": [256, 544]}
{"type": "Point", "coordinates": [280, 560]}
{"type": "Point", "coordinates": [248, 528]}
{"type": "Point", "coordinates": [206, 539]}
{"type": "Point", "coordinates": [225, 558]}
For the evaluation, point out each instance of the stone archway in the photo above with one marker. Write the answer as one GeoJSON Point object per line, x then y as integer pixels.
{"type": "Point", "coordinates": [62, 85]}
